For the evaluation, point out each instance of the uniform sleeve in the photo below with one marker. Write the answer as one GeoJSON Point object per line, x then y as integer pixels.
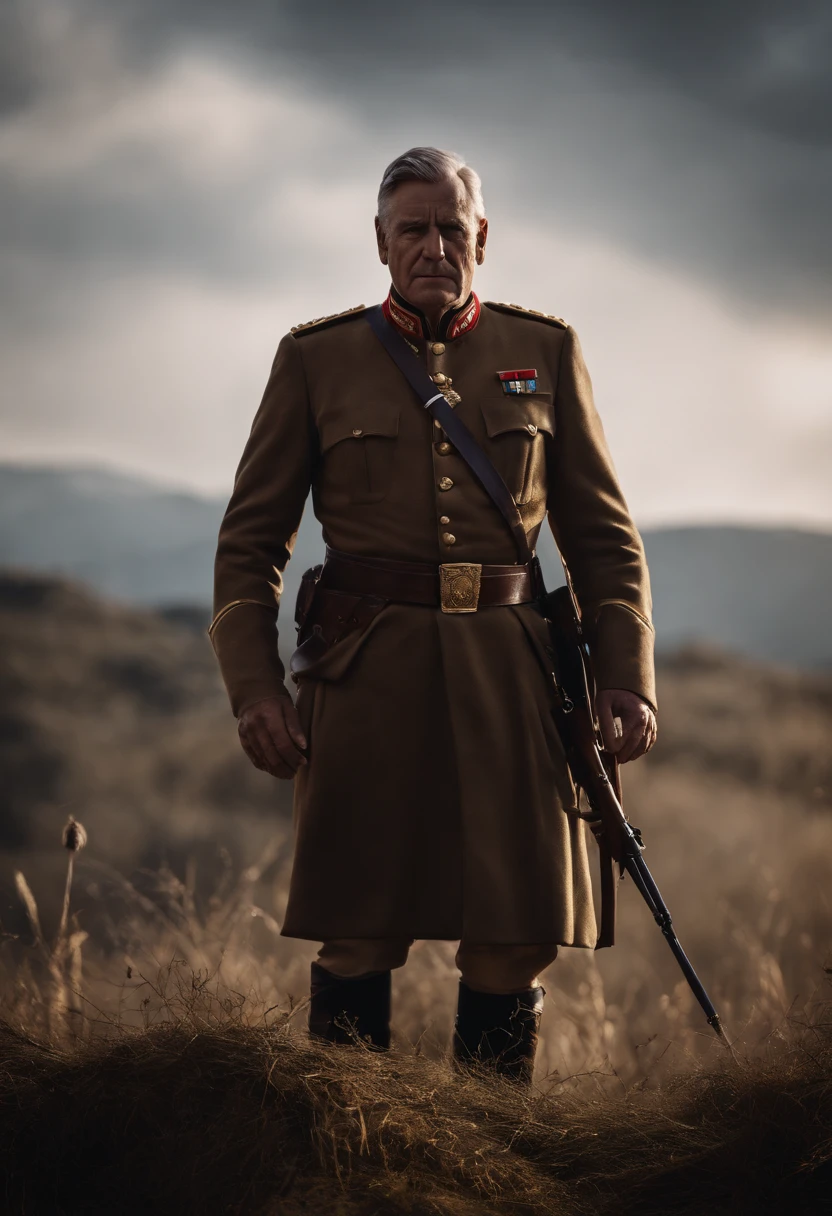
{"type": "Point", "coordinates": [597, 537]}
{"type": "Point", "coordinates": [258, 534]}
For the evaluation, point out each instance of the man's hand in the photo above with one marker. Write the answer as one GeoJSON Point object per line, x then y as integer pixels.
{"type": "Point", "coordinates": [272, 738]}
{"type": "Point", "coordinates": [638, 723]}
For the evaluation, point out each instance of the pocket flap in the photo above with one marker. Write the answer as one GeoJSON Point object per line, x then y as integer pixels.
{"type": "Point", "coordinates": [359, 421]}
{"type": "Point", "coordinates": [518, 413]}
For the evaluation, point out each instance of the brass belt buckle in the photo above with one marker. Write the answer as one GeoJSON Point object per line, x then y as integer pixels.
{"type": "Point", "coordinates": [459, 586]}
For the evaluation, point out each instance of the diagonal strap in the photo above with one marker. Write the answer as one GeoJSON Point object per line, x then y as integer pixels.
{"type": "Point", "coordinates": [453, 426]}
{"type": "Point", "coordinates": [499, 493]}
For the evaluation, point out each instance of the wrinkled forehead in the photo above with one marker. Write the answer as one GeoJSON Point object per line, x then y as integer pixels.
{"type": "Point", "coordinates": [445, 200]}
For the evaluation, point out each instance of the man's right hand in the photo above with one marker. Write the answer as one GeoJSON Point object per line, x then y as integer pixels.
{"type": "Point", "coordinates": [271, 735]}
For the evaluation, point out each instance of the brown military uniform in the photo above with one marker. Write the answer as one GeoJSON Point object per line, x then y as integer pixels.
{"type": "Point", "coordinates": [437, 802]}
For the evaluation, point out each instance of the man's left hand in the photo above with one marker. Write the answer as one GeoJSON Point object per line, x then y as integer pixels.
{"type": "Point", "coordinates": [638, 723]}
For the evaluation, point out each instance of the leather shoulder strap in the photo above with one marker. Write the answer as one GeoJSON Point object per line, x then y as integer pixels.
{"type": "Point", "coordinates": [453, 426]}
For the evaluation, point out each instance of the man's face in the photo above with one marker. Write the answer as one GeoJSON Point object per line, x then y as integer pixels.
{"type": "Point", "coordinates": [432, 243]}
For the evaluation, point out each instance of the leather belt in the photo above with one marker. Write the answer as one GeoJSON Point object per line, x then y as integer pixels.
{"type": "Point", "coordinates": [451, 586]}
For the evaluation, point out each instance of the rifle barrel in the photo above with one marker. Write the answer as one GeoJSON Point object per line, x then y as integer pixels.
{"type": "Point", "coordinates": [637, 868]}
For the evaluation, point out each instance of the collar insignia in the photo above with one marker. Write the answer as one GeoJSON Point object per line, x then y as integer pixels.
{"type": "Point", "coordinates": [407, 321]}
{"type": "Point", "coordinates": [414, 324]}
{"type": "Point", "coordinates": [461, 321]}
{"type": "Point", "coordinates": [524, 381]}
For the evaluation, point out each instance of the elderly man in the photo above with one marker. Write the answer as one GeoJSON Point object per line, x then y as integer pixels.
{"type": "Point", "coordinates": [432, 798]}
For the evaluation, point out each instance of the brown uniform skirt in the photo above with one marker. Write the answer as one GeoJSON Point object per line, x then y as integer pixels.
{"type": "Point", "coordinates": [437, 802]}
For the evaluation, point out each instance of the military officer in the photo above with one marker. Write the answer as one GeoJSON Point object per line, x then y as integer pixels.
{"type": "Point", "coordinates": [432, 798]}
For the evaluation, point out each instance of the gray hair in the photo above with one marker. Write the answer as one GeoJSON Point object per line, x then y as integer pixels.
{"type": "Point", "coordinates": [429, 165]}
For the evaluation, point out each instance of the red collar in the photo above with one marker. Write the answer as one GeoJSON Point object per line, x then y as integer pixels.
{"type": "Point", "coordinates": [414, 324]}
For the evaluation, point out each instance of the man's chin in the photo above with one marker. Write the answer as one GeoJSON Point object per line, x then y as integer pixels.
{"type": "Point", "coordinates": [429, 296]}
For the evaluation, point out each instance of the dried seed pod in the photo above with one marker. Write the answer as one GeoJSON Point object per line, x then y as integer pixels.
{"type": "Point", "coordinates": [75, 836]}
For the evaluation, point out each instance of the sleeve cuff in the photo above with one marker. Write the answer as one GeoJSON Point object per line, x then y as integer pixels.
{"type": "Point", "coordinates": [245, 643]}
{"type": "Point", "coordinates": [622, 652]}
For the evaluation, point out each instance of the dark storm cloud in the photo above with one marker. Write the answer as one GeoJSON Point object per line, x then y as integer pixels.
{"type": "Point", "coordinates": [763, 60]}
{"type": "Point", "coordinates": [767, 63]}
{"type": "Point", "coordinates": [18, 56]}
{"type": "Point", "coordinates": [700, 135]}
{"type": "Point", "coordinates": [171, 223]}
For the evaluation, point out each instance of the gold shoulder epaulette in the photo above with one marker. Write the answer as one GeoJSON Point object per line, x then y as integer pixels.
{"type": "Point", "coordinates": [528, 312]}
{"type": "Point", "coordinates": [322, 322]}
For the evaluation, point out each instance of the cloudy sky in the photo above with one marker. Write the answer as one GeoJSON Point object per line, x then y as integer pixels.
{"type": "Point", "coordinates": [180, 183]}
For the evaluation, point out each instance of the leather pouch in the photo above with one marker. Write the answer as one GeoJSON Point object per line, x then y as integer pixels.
{"type": "Point", "coordinates": [325, 618]}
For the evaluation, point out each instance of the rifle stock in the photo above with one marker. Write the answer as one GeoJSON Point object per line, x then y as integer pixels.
{"type": "Point", "coordinates": [596, 773]}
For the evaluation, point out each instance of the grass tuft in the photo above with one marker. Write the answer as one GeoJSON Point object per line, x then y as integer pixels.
{"type": "Point", "coordinates": [204, 1114]}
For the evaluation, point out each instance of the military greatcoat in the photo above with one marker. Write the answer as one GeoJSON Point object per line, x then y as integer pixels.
{"type": "Point", "coordinates": [436, 802]}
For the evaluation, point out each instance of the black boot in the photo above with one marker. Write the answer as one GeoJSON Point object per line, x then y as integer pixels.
{"type": "Point", "coordinates": [498, 1031]}
{"type": "Point", "coordinates": [341, 1010]}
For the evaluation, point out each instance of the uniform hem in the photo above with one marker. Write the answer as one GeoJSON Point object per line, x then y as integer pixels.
{"type": "Point", "coordinates": [343, 931]}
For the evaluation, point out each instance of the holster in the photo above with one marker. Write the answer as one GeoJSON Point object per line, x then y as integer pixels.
{"type": "Point", "coordinates": [325, 617]}
{"type": "Point", "coordinates": [306, 595]}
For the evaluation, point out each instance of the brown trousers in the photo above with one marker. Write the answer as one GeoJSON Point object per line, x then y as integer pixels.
{"type": "Point", "coordinates": [485, 968]}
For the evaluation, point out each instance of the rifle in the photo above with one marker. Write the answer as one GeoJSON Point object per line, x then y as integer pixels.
{"type": "Point", "coordinates": [596, 773]}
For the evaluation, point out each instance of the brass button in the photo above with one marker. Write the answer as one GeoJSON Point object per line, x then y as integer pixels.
{"type": "Point", "coordinates": [443, 448]}
{"type": "Point", "coordinates": [356, 430]}
{"type": "Point", "coordinates": [439, 378]}
{"type": "Point", "coordinates": [531, 428]}
{"type": "Point", "coordinates": [449, 538]}
{"type": "Point", "coordinates": [445, 483]}
{"type": "Point", "coordinates": [438, 348]}
{"type": "Point", "coordinates": [444, 519]}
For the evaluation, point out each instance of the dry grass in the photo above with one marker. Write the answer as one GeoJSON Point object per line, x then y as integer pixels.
{"type": "Point", "coordinates": [188, 1086]}
{"type": "Point", "coordinates": [202, 1113]}
{"type": "Point", "coordinates": [613, 1019]}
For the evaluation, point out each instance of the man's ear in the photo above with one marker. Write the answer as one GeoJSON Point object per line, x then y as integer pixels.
{"type": "Point", "coordinates": [482, 237]}
{"type": "Point", "coordinates": [381, 241]}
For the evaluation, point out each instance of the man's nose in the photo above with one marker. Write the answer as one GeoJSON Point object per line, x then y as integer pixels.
{"type": "Point", "coordinates": [434, 247]}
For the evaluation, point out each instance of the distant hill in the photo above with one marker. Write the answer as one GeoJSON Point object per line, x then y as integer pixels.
{"type": "Point", "coordinates": [759, 591]}
{"type": "Point", "coordinates": [127, 538]}
{"type": "Point", "coordinates": [763, 592]}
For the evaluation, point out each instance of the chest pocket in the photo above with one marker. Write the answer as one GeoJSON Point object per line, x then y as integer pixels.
{"type": "Point", "coordinates": [516, 427]}
{"type": "Point", "coordinates": [358, 448]}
